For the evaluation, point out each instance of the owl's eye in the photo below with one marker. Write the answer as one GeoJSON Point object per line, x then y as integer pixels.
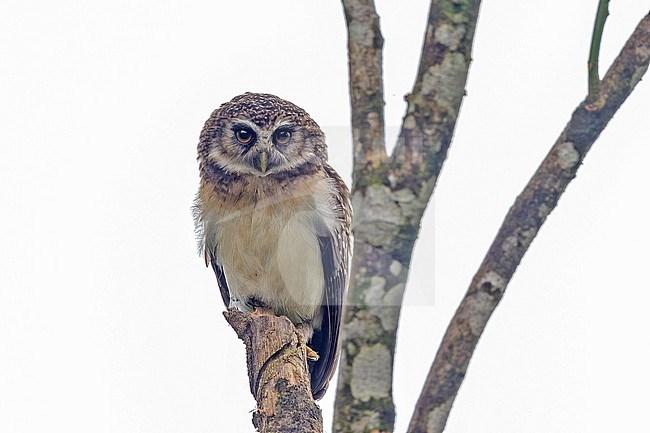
{"type": "Point", "coordinates": [281, 136]}
{"type": "Point", "coordinates": [244, 135]}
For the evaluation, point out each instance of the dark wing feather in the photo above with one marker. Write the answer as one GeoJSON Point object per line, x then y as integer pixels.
{"type": "Point", "coordinates": [335, 251]}
{"type": "Point", "coordinates": [209, 250]}
{"type": "Point", "coordinates": [221, 278]}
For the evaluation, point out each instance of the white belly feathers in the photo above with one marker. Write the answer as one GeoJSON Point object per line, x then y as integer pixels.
{"type": "Point", "coordinates": [269, 251]}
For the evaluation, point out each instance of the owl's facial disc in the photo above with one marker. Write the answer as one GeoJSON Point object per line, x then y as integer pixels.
{"type": "Point", "coordinates": [250, 148]}
{"type": "Point", "coordinates": [263, 149]}
{"type": "Point", "coordinates": [270, 157]}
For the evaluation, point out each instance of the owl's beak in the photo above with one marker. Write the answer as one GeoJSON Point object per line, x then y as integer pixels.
{"type": "Point", "coordinates": [261, 161]}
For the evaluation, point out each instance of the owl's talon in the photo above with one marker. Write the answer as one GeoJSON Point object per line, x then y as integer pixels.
{"type": "Point", "coordinates": [256, 304]}
{"type": "Point", "coordinates": [311, 354]}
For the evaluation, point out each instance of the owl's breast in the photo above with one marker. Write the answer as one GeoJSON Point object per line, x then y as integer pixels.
{"type": "Point", "coordinates": [268, 248]}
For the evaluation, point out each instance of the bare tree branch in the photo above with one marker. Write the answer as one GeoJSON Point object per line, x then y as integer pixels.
{"type": "Point", "coordinates": [278, 373]}
{"type": "Point", "coordinates": [389, 198]}
{"type": "Point", "coordinates": [434, 103]}
{"type": "Point", "coordinates": [520, 227]}
{"type": "Point", "coordinates": [365, 45]}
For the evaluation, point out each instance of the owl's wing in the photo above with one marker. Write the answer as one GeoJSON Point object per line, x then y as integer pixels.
{"type": "Point", "coordinates": [335, 252]}
{"type": "Point", "coordinates": [221, 277]}
{"type": "Point", "coordinates": [202, 231]}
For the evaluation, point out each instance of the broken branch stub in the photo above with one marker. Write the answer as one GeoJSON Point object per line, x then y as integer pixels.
{"type": "Point", "coordinates": [277, 372]}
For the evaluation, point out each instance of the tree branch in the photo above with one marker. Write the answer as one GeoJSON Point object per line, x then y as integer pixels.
{"type": "Point", "coordinates": [365, 50]}
{"type": "Point", "coordinates": [434, 103]}
{"type": "Point", "coordinates": [594, 51]}
{"type": "Point", "coordinates": [520, 227]}
{"type": "Point", "coordinates": [278, 373]}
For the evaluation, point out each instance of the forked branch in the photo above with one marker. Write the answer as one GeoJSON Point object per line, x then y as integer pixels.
{"type": "Point", "coordinates": [390, 195]}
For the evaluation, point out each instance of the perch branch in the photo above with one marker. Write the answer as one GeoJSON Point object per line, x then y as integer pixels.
{"type": "Point", "coordinates": [520, 227]}
{"type": "Point", "coordinates": [278, 373]}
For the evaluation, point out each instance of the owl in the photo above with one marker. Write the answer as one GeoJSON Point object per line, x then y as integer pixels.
{"type": "Point", "coordinates": [273, 220]}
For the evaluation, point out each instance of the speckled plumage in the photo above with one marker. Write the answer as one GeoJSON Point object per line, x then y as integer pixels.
{"type": "Point", "coordinates": [273, 218]}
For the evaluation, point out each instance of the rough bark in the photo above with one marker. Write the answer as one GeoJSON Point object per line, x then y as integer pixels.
{"type": "Point", "coordinates": [389, 196]}
{"type": "Point", "coordinates": [520, 227]}
{"type": "Point", "coordinates": [365, 45]}
{"type": "Point", "coordinates": [278, 373]}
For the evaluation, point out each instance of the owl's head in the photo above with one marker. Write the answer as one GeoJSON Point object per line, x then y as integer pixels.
{"type": "Point", "coordinates": [261, 135]}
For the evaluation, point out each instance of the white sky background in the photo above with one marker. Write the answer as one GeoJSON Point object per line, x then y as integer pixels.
{"type": "Point", "coordinates": [109, 322]}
